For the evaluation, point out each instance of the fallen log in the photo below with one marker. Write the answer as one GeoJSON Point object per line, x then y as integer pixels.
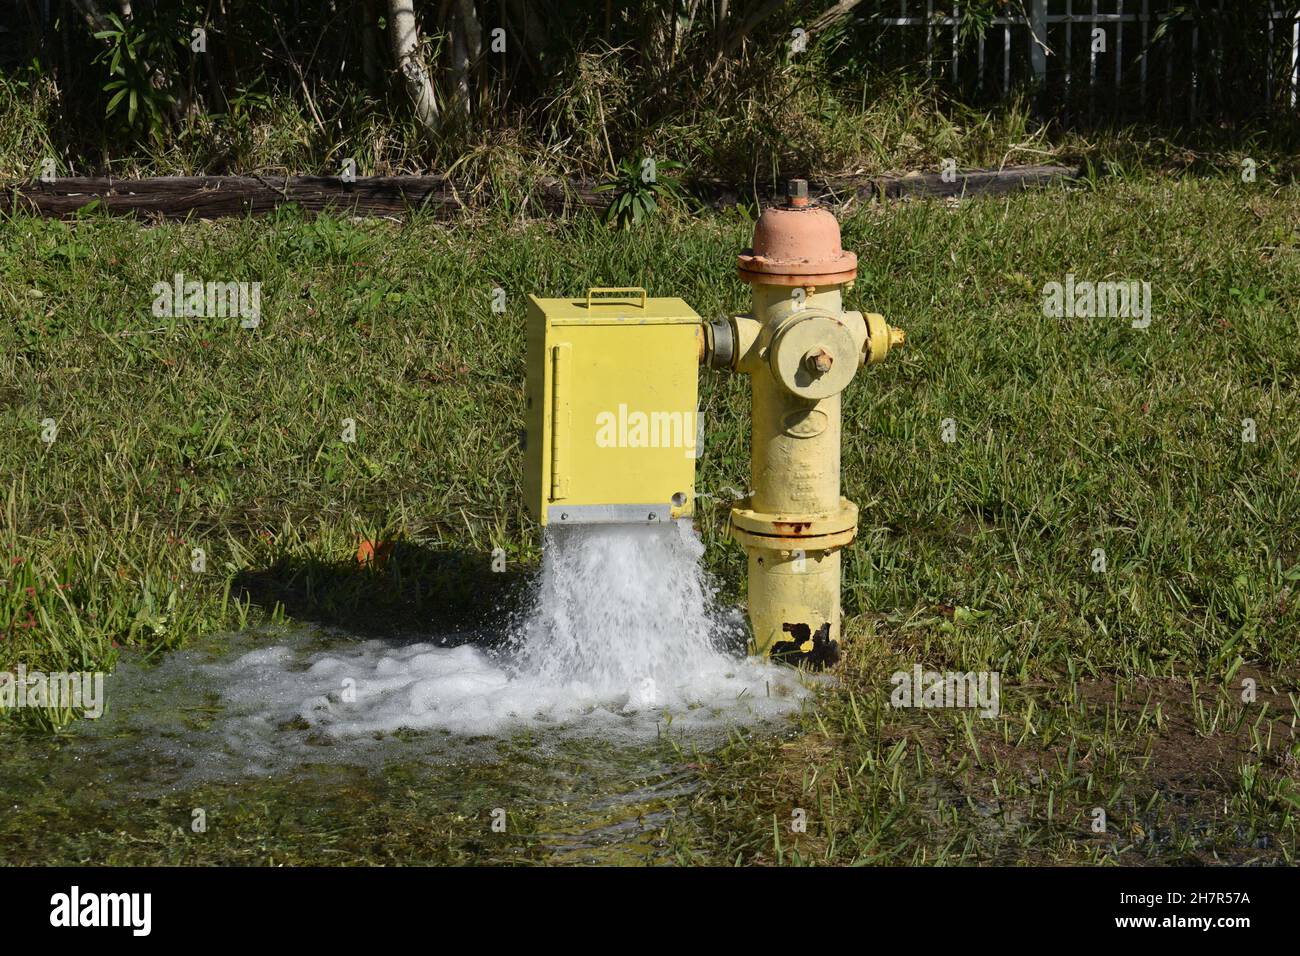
{"type": "Point", "coordinates": [211, 197]}
{"type": "Point", "coordinates": [985, 182]}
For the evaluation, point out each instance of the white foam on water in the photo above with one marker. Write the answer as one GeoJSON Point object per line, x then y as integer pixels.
{"type": "Point", "coordinates": [622, 638]}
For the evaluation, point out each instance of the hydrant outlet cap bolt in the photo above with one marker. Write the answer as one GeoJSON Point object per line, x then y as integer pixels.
{"type": "Point", "coordinates": [819, 361]}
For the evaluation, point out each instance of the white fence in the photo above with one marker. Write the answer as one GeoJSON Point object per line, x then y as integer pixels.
{"type": "Point", "coordinates": [1048, 35]}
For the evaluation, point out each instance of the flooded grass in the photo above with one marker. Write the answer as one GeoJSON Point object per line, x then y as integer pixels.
{"type": "Point", "coordinates": [583, 803]}
{"type": "Point", "coordinates": [181, 769]}
{"type": "Point", "coordinates": [1176, 774]}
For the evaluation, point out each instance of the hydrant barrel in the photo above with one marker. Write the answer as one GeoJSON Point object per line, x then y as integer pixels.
{"type": "Point", "coordinates": [801, 349]}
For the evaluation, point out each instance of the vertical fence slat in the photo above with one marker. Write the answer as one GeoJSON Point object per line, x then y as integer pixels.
{"type": "Point", "coordinates": [1196, 51]}
{"type": "Point", "coordinates": [1216, 62]}
{"type": "Point", "coordinates": [1119, 50]}
{"type": "Point", "coordinates": [1006, 58]}
{"type": "Point", "coordinates": [1038, 42]}
{"type": "Point", "coordinates": [1092, 61]}
{"type": "Point", "coordinates": [929, 37]}
{"type": "Point", "coordinates": [1295, 60]}
{"type": "Point", "coordinates": [1069, 43]}
{"type": "Point", "coordinates": [1268, 56]}
{"type": "Point", "coordinates": [1146, 18]}
{"type": "Point", "coordinates": [1092, 57]}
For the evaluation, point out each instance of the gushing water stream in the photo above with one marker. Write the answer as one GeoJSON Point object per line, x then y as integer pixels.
{"type": "Point", "coordinates": [621, 640]}
{"type": "Point", "coordinates": [622, 633]}
{"type": "Point", "coordinates": [625, 609]}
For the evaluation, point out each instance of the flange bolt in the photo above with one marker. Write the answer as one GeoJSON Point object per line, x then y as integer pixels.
{"type": "Point", "coordinates": [819, 361]}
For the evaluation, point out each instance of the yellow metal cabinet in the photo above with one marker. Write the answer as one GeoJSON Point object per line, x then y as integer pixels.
{"type": "Point", "coordinates": [612, 419]}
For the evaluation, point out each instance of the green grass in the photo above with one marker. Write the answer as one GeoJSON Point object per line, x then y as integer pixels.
{"type": "Point", "coordinates": [1072, 772]}
{"type": "Point", "coordinates": [1072, 435]}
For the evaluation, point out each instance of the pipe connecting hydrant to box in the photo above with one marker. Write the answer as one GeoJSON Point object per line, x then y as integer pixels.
{"type": "Point", "coordinates": [800, 349]}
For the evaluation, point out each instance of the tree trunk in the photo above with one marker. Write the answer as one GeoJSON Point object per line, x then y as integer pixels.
{"type": "Point", "coordinates": [459, 64]}
{"type": "Point", "coordinates": [370, 43]}
{"type": "Point", "coordinates": [406, 57]}
{"type": "Point", "coordinates": [473, 33]}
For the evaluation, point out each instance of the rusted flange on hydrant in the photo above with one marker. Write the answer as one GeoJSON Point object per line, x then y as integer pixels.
{"type": "Point", "coordinates": [797, 244]}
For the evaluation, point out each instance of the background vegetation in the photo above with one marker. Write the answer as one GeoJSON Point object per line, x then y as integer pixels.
{"type": "Point", "coordinates": [580, 87]}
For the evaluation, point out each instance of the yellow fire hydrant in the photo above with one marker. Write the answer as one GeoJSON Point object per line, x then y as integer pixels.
{"type": "Point", "coordinates": [800, 350]}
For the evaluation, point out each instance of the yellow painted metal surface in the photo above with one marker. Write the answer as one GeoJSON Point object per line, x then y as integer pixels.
{"type": "Point", "coordinates": [795, 449]}
{"type": "Point", "coordinates": [794, 599]}
{"type": "Point", "coordinates": [793, 584]}
{"type": "Point", "coordinates": [882, 337]}
{"type": "Point", "coordinates": [612, 407]}
{"type": "Point", "coordinates": [800, 350]}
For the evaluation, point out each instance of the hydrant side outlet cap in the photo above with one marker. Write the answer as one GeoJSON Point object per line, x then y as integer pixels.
{"type": "Point", "coordinates": [797, 246]}
{"type": "Point", "coordinates": [818, 336]}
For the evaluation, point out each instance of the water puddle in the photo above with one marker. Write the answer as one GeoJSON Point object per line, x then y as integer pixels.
{"type": "Point", "coordinates": [568, 738]}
